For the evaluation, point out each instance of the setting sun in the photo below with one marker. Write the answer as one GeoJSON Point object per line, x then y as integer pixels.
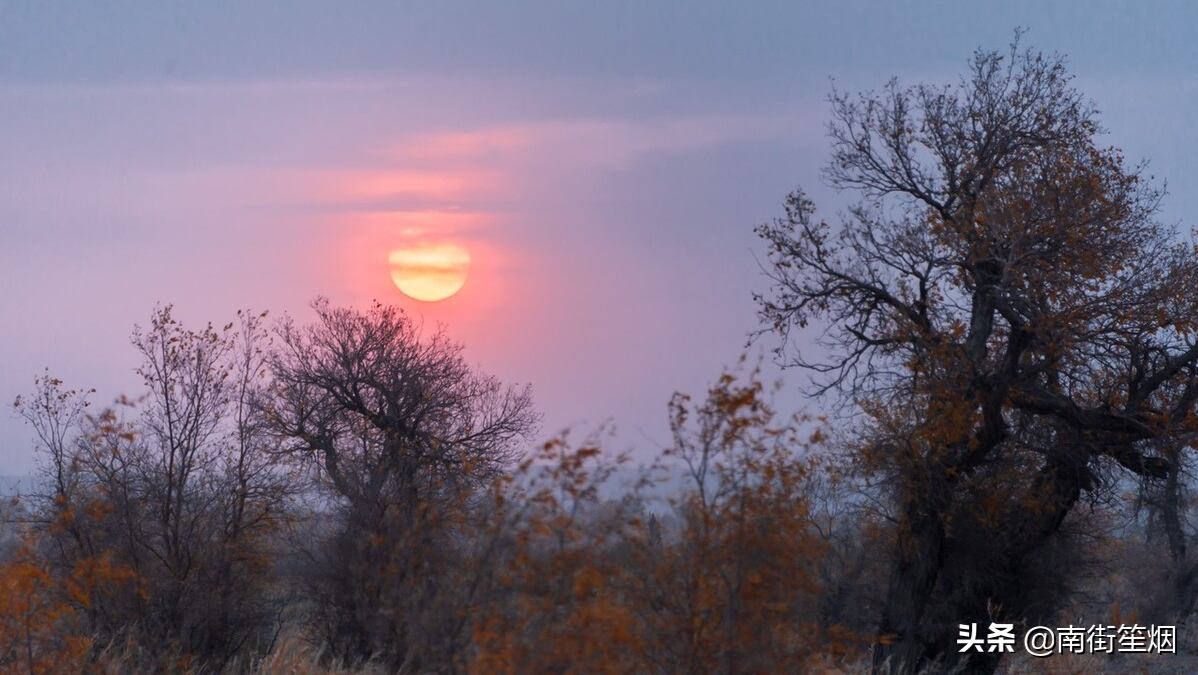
{"type": "Point", "coordinates": [430, 271]}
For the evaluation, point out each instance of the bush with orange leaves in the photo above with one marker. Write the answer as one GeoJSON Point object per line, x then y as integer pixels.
{"type": "Point", "coordinates": [43, 624]}
{"type": "Point", "coordinates": [734, 589]}
{"type": "Point", "coordinates": [567, 604]}
{"type": "Point", "coordinates": [728, 586]}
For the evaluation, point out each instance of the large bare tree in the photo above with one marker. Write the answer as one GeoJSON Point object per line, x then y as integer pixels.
{"type": "Point", "coordinates": [1005, 309]}
{"type": "Point", "coordinates": [403, 432]}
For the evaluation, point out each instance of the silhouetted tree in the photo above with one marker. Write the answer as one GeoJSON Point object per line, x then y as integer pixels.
{"type": "Point", "coordinates": [178, 489]}
{"type": "Point", "coordinates": [403, 433]}
{"type": "Point", "coordinates": [1006, 310]}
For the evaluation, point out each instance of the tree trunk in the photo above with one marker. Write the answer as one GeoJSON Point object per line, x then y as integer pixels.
{"type": "Point", "coordinates": [1006, 596]}
{"type": "Point", "coordinates": [901, 647]}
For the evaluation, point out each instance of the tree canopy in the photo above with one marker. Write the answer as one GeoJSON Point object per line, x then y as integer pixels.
{"type": "Point", "coordinates": [1002, 303]}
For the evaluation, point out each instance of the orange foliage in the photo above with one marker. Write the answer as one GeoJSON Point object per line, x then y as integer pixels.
{"type": "Point", "coordinates": [568, 608]}
{"type": "Point", "coordinates": [43, 626]}
{"type": "Point", "coordinates": [728, 587]}
{"type": "Point", "coordinates": [37, 627]}
{"type": "Point", "coordinates": [732, 593]}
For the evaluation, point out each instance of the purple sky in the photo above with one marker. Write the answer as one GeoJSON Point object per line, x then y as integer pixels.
{"type": "Point", "coordinates": [605, 167]}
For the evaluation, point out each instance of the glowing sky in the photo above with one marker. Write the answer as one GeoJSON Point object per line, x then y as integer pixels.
{"type": "Point", "coordinates": [604, 165]}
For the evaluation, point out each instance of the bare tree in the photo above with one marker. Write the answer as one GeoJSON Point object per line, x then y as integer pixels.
{"type": "Point", "coordinates": [402, 431]}
{"type": "Point", "coordinates": [56, 415]}
{"type": "Point", "coordinates": [1005, 310]}
{"type": "Point", "coordinates": [179, 488]}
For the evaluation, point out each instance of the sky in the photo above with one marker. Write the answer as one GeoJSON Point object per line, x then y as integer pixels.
{"type": "Point", "coordinates": [604, 164]}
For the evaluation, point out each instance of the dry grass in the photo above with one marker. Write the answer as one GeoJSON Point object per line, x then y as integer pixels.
{"type": "Point", "coordinates": [1060, 664]}
{"type": "Point", "coordinates": [291, 656]}
{"type": "Point", "coordinates": [294, 655]}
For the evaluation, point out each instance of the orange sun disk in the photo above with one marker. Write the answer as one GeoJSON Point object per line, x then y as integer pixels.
{"type": "Point", "coordinates": [430, 271]}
